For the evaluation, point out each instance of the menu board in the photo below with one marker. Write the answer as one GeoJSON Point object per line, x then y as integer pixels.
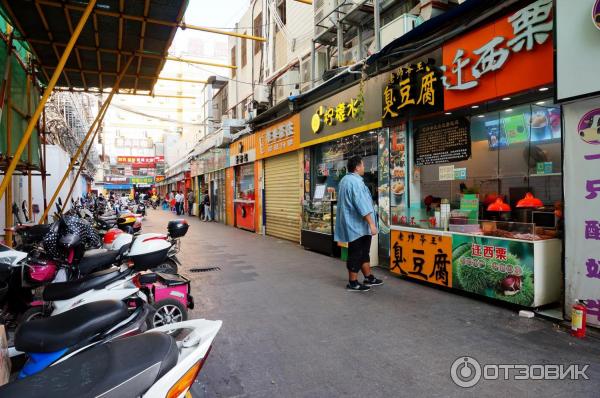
{"type": "Point", "coordinates": [442, 142]}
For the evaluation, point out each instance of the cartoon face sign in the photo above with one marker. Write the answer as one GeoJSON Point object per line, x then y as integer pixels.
{"type": "Point", "coordinates": [596, 13]}
{"type": "Point", "coordinates": [589, 127]}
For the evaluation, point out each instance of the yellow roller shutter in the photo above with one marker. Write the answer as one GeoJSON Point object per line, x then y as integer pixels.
{"type": "Point", "coordinates": [283, 192]}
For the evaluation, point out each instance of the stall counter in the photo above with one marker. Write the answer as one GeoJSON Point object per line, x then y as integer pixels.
{"type": "Point", "coordinates": [522, 272]}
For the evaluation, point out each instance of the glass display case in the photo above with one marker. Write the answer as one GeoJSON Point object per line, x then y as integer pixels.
{"type": "Point", "coordinates": [318, 223]}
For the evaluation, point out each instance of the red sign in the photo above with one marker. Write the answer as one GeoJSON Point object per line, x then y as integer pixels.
{"type": "Point", "coordinates": [510, 55]}
{"type": "Point", "coordinates": [158, 179]}
{"type": "Point", "coordinates": [140, 160]}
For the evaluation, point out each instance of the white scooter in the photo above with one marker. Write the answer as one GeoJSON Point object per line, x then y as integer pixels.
{"type": "Point", "coordinates": [149, 365]}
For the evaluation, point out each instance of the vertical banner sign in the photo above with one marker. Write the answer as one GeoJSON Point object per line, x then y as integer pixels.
{"type": "Point", "coordinates": [582, 206]}
{"type": "Point", "coordinates": [422, 256]}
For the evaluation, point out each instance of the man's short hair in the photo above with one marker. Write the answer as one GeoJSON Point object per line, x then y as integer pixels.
{"type": "Point", "coordinates": [353, 163]}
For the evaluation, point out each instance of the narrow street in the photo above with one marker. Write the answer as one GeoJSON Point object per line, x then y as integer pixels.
{"type": "Point", "coordinates": [290, 329]}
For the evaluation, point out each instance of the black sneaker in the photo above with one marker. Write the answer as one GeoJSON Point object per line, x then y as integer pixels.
{"type": "Point", "coordinates": [372, 281]}
{"type": "Point", "coordinates": [357, 287]}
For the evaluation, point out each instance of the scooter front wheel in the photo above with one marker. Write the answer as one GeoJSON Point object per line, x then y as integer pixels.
{"type": "Point", "coordinates": [168, 311]}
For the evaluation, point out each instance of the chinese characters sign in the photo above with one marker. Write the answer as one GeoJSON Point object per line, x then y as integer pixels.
{"type": "Point", "coordinates": [582, 206]}
{"type": "Point", "coordinates": [508, 56]}
{"type": "Point", "coordinates": [140, 159]}
{"type": "Point", "coordinates": [159, 178]}
{"type": "Point", "coordinates": [342, 112]}
{"type": "Point", "coordinates": [442, 142]}
{"type": "Point", "coordinates": [412, 86]}
{"type": "Point", "coordinates": [141, 180]}
{"type": "Point", "coordinates": [496, 268]}
{"type": "Point", "coordinates": [422, 256]}
{"type": "Point", "coordinates": [279, 138]}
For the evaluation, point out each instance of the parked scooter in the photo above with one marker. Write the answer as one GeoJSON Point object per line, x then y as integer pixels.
{"type": "Point", "coordinates": [45, 341]}
{"type": "Point", "coordinates": [127, 367]}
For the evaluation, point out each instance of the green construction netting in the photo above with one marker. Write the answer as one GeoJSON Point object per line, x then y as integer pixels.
{"type": "Point", "coordinates": [18, 97]}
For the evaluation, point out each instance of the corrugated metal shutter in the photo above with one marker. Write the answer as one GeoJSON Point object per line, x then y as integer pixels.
{"type": "Point", "coordinates": [283, 191]}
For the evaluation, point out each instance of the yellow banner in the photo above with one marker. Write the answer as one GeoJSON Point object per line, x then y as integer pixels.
{"type": "Point", "coordinates": [422, 256]}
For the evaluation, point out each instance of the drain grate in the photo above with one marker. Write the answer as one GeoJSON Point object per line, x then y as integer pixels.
{"type": "Point", "coordinates": [209, 269]}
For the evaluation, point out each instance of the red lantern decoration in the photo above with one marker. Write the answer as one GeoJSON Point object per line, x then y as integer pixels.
{"type": "Point", "coordinates": [498, 205]}
{"type": "Point", "coordinates": [529, 201]}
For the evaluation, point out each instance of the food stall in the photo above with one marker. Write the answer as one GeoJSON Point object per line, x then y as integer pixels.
{"type": "Point", "coordinates": [476, 186]}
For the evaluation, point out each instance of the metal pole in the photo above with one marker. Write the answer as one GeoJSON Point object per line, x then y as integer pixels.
{"type": "Point", "coordinates": [85, 139]}
{"type": "Point", "coordinates": [313, 64]}
{"type": "Point", "coordinates": [174, 79]}
{"type": "Point", "coordinates": [340, 44]}
{"type": "Point", "coordinates": [377, 23]}
{"type": "Point", "coordinates": [194, 61]}
{"type": "Point", "coordinates": [38, 111]}
{"type": "Point", "coordinates": [29, 193]}
{"type": "Point", "coordinates": [8, 199]}
{"type": "Point", "coordinates": [44, 188]}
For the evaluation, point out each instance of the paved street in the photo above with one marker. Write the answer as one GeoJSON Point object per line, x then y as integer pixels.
{"type": "Point", "coordinates": [290, 329]}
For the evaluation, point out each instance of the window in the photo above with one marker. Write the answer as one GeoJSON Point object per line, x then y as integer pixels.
{"type": "Point", "coordinates": [257, 32]}
{"type": "Point", "coordinates": [244, 50]}
{"type": "Point", "coordinates": [233, 60]}
{"type": "Point", "coordinates": [281, 10]}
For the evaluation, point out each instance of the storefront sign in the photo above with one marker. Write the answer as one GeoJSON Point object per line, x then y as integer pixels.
{"type": "Point", "coordinates": [140, 159]}
{"type": "Point", "coordinates": [582, 206]}
{"type": "Point", "coordinates": [422, 256]}
{"type": "Point", "coordinates": [577, 42]}
{"type": "Point", "coordinates": [115, 179]}
{"type": "Point", "coordinates": [345, 113]}
{"type": "Point", "coordinates": [414, 86]}
{"type": "Point", "coordinates": [141, 180]}
{"type": "Point", "coordinates": [243, 151]}
{"type": "Point", "coordinates": [442, 142]}
{"type": "Point", "coordinates": [279, 138]}
{"type": "Point", "coordinates": [505, 57]}
{"type": "Point", "coordinates": [158, 179]}
{"type": "Point", "coordinates": [496, 268]}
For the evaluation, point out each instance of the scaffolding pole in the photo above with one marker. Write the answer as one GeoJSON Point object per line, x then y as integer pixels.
{"type": "Point", "coordinates": [85, 139]}
{"type": "Point", "coordinates": [40, 107]}
{"type": "Point", "coordinates": [8, 216]}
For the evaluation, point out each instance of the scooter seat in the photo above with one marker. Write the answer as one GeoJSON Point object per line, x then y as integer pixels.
{"type": "Point", "coordinates": [126, 367]}
{"type": "Point", "coordinates": [35, 232]}
{"type": "Point", "coordinates": [70, 289]}
{"type": "Point", "coordinates": [97, 260]}
{"type": "Point", "coordinates": [69, 328]}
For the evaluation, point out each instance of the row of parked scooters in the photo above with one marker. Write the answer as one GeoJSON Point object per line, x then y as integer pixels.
{"type": "Point", "coordinates": [95, 307]}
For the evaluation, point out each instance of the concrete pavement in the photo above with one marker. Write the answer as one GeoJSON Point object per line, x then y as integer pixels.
{"type": "Point", "coordinates": [290, 329]}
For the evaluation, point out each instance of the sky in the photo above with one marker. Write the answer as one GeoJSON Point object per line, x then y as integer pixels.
{"type": "Point", "coordinates": [222, 14]}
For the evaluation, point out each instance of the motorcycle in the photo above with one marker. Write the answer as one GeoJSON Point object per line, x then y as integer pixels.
{"type": "Point", "coordinates": [46, 341]}
{"type": "Point", "coordinates": [127, 367]}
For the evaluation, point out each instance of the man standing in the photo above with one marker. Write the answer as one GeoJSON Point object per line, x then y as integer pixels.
{"type": "Point", "coordinates": [190, 198]}
{"type": "Point", "coordinates": [179, 198]}
{"type": "Point", "coordinates": [206, 205]}
{"type": "Point", "coordinates": [355, 224]}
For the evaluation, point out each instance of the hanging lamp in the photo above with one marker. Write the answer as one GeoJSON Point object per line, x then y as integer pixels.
{"type": "Point", "coordinates": [498, 205]}
{"type": "Point", "coordinates": [529, 201]}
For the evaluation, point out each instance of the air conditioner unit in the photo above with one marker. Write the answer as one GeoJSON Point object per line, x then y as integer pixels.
{"type": "Point", "coordinates": [262, 93]}
{"type": "Point", "coordinates": [398, 27]}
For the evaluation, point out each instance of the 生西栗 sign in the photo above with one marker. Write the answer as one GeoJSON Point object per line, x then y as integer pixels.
{"type": "Point", "coordinates": [510, 55]}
